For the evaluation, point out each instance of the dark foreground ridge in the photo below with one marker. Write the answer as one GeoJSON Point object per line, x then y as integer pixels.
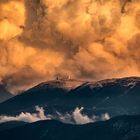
{"type": "Point", "coordinates": [118, 128]}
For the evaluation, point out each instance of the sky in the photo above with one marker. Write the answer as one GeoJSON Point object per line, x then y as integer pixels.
{"type": "Point", "coordinates": [86, 39]}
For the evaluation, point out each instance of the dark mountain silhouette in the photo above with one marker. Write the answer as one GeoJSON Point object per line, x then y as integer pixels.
{"type": "Point", "coordinates": [11, 124]}
{"type": "Point", "coordinates": [4, 94]}
{"type": "Point", "coordinates": [118, 128]}
{"type": "Point", "coordinates": [42, 94]}
{"type": "Point", "coordinates": [115, 96]}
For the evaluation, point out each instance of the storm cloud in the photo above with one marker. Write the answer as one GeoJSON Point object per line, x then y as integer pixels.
{"type": "Point", "coordinates": [86, 39]}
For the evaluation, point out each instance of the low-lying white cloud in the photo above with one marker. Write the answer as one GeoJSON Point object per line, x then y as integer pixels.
{"type": "Point", "coordinates": [26, 117]}
{"type": "Point", "coordinates": [81, 118]}
{"type": "Point", "coordinates": [105, 117]}
{"type": "Point", "coordinates": [76, 117]}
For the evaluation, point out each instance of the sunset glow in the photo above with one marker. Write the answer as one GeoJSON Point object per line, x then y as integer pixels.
{"type": "Point", "coordinates": [86, 39]}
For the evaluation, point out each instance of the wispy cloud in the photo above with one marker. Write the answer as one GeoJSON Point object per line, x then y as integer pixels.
{"type": "Point", "coordinates": [76, 117]}
{"type": "Point", "coordinates": [26, 117]}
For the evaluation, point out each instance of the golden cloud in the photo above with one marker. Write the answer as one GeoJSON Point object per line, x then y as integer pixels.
{"type": "Point", "coordinates": [87, 39]}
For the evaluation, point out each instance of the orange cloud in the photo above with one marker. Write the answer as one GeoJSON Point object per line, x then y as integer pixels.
{"type": "Point", "coordinates": [85, 39]}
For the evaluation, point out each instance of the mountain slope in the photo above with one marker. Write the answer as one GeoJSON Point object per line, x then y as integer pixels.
{"type": "Point", "coordinates": [115, 96]}
{"type": "Point", "coordinates": [42, 94]}
{"type": "Point", "coordinates": [11, 124]}
{"type": "Point", "coordinates": [118, 128]}
{"type": "Point", "coordinates": [4, 94]}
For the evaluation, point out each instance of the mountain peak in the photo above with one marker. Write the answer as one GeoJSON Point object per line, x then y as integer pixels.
{"type": "Point", "coordinates": [60, 83]}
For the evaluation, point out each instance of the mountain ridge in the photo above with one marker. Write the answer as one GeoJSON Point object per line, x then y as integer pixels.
{"type": "Point", "coordinates": [121, 93]}
{"type": "Point", "coordinates": [121, 127]}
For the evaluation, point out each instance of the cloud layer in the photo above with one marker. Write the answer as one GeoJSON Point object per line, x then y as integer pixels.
{"type": "Point", "coordinates": [87, 39]}
{"type": "Point", "coordinates": [76, 117]}
{"type": "Point", "coordinates": [26, 117]}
